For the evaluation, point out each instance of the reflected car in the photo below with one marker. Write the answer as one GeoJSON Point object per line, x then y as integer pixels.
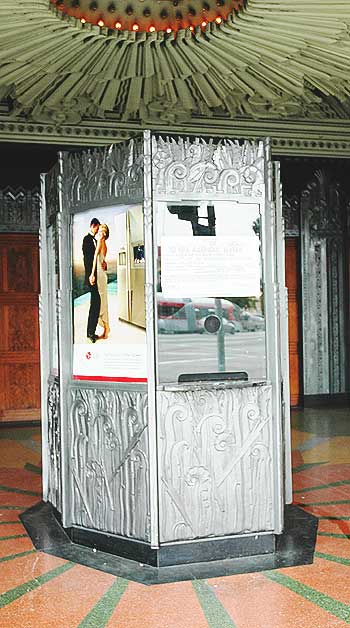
{"type": "Point", "coordinates": [182, 321]}
{"type": "Point", "coordinates": [252, 322]}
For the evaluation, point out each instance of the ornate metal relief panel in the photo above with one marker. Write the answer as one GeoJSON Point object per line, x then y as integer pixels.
{"type": "Point", "coordinates": [215, 462]}
{"type": "Point", "coordinates": [323, 222]}
{"type": "Point", "coordinates": [197, 165]}
{"type": "Point", "coordinates": [104, 175]}
{"type": "Point", "coordinates": [54, 444]}
{"type": "Point", "coordinates": [291, 215]}
{"type": "Point", "coordinates": [336, 311]}
{"type": "Point", "coordinates": [19, 210]}
{"type": "Point", "coordinates": [109, 461]}
{"type": "Point", "coordinates": [52, 194]}
{"type": "Point", "coordinates": [325, 206]}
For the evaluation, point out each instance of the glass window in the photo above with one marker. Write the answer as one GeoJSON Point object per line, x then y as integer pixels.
{"type": "Point", "coordinates": [209, 291]}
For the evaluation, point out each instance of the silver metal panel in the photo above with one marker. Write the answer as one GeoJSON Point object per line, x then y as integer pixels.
{"type": "Point", "coordinates": [104, 175]}
{"type": "Point", "coordinates": [48, 315]}
{"type": "Point", "coordinates": [222, 447]}
{"type": "Point", "coordinates": [198, 166]}
{"type": "Point", "coordinates": [64, 314]}
{"type": "Point", "coordinates": [151, 313]}
{"type": "Point", "coordinates": [272, 299]}
{"type": "Point", "coordinates": [283, 321]}
{"type": "Point", "coordinates": [19, 211]}
{"type": "Point", "coordinates": [109, 461]}
{"type": "Point", "coordinates": [216, 462]}
{"type": "Point", "coordinates": [53, 444]}
{"type": "Point", "coordinates": [44, 339]}
{"type": "Point", "coordinates": [91, 178]}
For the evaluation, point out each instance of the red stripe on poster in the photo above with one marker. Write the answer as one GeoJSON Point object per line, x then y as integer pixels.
{"type": "Point", "coordinates": [99, 378]}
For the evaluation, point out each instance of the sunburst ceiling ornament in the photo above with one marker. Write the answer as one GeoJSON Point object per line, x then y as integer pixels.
{"type": "Point", "coordinates": [149, 15]}
{"type": "Point", "coordinates": [273, 59]}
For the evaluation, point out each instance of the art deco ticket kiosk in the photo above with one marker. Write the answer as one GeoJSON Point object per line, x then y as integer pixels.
{"type": "Point", "coordinates": [167, 442]}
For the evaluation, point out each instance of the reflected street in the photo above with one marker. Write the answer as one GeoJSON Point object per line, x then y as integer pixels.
{"type": "Point", "coordinates": [197, 353]}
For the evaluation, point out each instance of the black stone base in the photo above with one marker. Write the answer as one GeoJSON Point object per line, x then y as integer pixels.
{"type": "Point", "coordinates": [137, 561]}
{"type": "Point", "coordinates": [175, 553]}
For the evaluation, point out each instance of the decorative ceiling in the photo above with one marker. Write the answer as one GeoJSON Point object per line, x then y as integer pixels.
{"type": "Point", "coordinates": [149, 16]}
{"type": "Point", "coordinates": [65, 61]}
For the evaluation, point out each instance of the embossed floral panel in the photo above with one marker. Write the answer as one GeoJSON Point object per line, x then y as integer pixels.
{"type": "Point", "coordinates": [108, 460]}
{"type": "Point", "coordinates": [215, 462]}
{"type": "Point", "coordinates": [54, 444]}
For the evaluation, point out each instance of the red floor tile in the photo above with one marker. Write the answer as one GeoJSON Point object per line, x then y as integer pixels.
{"type": "Point", "coordinates": [61, 603]}
{"type": "Point", "coordinates": [329, 578]}
{"type": "Point", "coordinates": [14, 546]}
{"type": "Point", "coordinates": [255, 602]}
{"type": "Point", "coordinates": [163, 606]}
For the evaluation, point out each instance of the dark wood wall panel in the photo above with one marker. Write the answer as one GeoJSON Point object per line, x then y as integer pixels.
{"type": "Point", "coordinates": [292, 282]}
{"type": "Point", "coordinates": [19, 324]}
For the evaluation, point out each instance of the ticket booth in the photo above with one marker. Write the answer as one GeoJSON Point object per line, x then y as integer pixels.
{"type": "Point", "coordinates": [167, 442]}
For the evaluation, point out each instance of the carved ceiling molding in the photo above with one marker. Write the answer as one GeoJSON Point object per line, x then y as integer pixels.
{"type": "Point", "coordinates": [276, 59]}
{"type": "Point", "coordinates": [289, 138]}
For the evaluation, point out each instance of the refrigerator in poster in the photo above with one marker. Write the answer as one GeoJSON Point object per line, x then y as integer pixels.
{"type": "Point", "coordinates": [116, 350]}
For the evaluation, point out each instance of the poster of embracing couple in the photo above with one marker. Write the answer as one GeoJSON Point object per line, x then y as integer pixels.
{"type": "Point", "coordinates": [108, 295]}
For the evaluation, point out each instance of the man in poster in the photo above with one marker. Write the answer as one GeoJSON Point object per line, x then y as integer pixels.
{"type": "Point", "coordinates": [89, 246]}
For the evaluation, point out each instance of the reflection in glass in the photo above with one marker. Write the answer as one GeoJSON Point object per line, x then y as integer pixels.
{"type": "Point", "coordinates": [219, 333]}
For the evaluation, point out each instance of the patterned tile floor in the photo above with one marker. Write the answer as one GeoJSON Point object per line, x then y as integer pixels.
{"type": "Point", "coordinates": [38, 590]}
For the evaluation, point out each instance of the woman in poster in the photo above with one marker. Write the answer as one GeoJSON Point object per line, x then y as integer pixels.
{"type": "Point", "coordinates": [98, 263]}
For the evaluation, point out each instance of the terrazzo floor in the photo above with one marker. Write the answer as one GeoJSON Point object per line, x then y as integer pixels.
{"type": "Point", "coordinates": [38, 590]}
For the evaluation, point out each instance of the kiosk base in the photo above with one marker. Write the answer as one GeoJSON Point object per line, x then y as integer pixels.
{"type": "Point", "coordinates": [177, 561]}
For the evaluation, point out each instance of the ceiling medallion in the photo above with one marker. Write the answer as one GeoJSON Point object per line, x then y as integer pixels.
{"type": "Point", "coordinates": [149, 15]}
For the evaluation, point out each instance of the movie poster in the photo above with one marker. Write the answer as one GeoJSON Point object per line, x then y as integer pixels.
{"type": "Point", "coordinates": [109, 295]}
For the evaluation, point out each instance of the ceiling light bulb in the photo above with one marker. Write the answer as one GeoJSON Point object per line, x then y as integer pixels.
{"type": "Point", "coordinates": [168, 30]}
{"type": "Point", "coordinates": [117, 25]}
{"type": "Point", "coordinates": [152, 29]}
{"type": "Point", "coordinates": [191, 28]}
{"type": "Point", "coordinates": [204, 23]}
{"type": "Point", "coordinates": [100, 23]}
{"type": "Point", "coordinates": [218, 20]}
{"type": "Point", "coordinates": [135, 27]}
{"type": "Point", "coordinates": [83, 20]}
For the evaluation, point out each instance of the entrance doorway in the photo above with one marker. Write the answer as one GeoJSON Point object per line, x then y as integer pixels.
{"type": "Point", "coordinates": [19, 279]}
{"type": "Point", "coordinates": [317, 217]}
{"type": "Point", "coordinates": [19, 323]}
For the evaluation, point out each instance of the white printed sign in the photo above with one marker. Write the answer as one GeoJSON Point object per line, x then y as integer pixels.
{"type": "Point", "coordinates": [102, 362]}
{"type": "Point", "coordinates": [198, 266]}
